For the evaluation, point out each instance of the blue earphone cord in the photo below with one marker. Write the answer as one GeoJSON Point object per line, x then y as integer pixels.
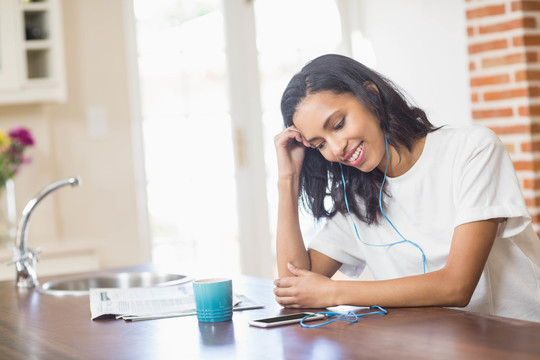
{"type": "Point", "coordinates": [382, 211]}
{"type": "Point", "coordinates": [349, 317]}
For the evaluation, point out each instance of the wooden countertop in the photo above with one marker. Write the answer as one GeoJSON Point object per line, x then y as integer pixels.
{"type": "Point", "coordinates": [38, 326]}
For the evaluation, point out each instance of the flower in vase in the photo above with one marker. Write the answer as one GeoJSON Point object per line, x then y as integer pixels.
{"type": "Point", "coordinates": [12, 148]}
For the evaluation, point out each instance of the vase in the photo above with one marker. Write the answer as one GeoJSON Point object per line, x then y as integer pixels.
{"type": "Point", "coordinates": [8, 214]}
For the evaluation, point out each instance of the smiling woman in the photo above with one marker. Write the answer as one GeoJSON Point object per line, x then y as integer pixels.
{"type": "Point", "coordinates": [462, 235]}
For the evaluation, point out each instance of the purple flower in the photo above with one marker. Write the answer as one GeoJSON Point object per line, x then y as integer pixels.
{"type": "Point", "coordinates": [21, 135]}
{"type": "Point", "coordinates": [12, 157]}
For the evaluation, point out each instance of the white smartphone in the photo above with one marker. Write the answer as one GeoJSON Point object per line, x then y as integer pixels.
{"type": "Point", "coordinates": [285, 319]}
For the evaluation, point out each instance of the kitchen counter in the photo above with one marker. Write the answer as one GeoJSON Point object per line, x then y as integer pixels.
{"type": "Point", "coordinates": [39, 326]}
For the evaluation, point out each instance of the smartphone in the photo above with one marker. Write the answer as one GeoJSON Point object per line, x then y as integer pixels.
{"type": "Point", "coordinates": [285, 319]}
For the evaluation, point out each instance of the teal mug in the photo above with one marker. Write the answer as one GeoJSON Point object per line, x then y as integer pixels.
{"type": "Point", "coordinates": [213, 299]}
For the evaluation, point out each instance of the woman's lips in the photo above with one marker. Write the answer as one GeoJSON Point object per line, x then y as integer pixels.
{"type": "Point", "coordinates": [357, 155]}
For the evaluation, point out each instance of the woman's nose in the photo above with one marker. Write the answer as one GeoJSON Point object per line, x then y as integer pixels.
{"type": "Point", "coordinates": [336, 146]}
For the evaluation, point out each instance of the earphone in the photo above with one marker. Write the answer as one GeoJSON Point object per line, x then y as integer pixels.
{"type": "Point", "coordinates": [382, 211]}
{"type": "Point", "coordinates": [349, 317]}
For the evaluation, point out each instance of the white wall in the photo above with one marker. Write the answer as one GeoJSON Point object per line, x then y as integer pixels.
{"type": "Point", "coordinates": [421, 45]}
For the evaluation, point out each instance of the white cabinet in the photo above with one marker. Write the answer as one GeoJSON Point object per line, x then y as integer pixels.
{"type": "Point", "coordinates": [31, 52]}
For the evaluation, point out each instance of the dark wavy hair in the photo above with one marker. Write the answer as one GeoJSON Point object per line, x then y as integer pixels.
{"type": "Point", "coordinates": [401, 122]}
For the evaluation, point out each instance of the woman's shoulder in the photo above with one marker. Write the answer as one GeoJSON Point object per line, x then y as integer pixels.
{"type": "Point", "coordinates": [466, 136]}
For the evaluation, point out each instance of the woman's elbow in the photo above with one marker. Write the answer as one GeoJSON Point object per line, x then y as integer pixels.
{"type": "Point", "coordinates": [459, 295]}
{"type": "Point", "coordinates": [461, 301]}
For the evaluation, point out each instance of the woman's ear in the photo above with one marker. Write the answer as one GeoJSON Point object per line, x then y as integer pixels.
{"type": "Point", "coordinates": [372, 89]}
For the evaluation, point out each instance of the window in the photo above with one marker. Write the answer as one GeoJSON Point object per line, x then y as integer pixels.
{"type": "Point", "coordinates": [186, 116]}
{"type": "Point", "coordinates": [187, 134]}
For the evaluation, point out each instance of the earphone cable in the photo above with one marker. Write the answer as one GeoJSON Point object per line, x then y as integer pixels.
{"type": "Point", "coordinates": [349, 317]}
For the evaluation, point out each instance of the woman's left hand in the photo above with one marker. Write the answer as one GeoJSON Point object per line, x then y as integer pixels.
{"type": "Point", "coordinates": [305, 289]}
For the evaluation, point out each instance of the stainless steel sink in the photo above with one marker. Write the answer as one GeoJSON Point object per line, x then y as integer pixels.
{"type": "Point", "coordinates": [81, 284]}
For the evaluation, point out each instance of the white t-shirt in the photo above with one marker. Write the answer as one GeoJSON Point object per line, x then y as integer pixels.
{"type": "Point", "coordinates": [463, 175]}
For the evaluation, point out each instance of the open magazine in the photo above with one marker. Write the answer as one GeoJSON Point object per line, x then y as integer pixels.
{"type": "Point", "coordinates": [147, 303]}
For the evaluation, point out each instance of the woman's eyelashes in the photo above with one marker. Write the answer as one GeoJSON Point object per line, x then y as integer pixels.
{"type": "Point", "coordinates": [340, 124]}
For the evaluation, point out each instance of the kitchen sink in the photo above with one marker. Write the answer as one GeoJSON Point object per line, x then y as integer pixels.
{"type": "Point", "coordinates": [81, 284]}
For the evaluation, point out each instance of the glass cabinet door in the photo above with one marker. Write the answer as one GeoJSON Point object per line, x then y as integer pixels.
{"type": "Point", "coordinates": [31, 52]}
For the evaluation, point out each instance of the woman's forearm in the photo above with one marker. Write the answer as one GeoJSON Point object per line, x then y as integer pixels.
{"type": "Point", "coordinates": [437, 288]}
{"type": "Point", "coordinates": [289, 241]}
{"type": "Point", "coordinates": [453, 285]}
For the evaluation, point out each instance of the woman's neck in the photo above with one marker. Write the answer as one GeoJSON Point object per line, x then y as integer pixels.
{"type": "Point", "coordinates": [401, 162]}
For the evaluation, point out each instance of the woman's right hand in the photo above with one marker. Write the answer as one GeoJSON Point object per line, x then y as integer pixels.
{"type": "Point", "coordinates": [290, 150]}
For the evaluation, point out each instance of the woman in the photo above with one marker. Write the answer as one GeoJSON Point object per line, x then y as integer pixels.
{"type": "Point", "coordinates": [436, 214]}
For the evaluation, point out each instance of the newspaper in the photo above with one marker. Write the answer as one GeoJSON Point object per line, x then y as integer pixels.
{"type": "Point", "coordinates": [148, 303]}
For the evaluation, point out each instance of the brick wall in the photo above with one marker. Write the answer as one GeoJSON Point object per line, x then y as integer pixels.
{"type": "Point", "coordinates": [504, 65]}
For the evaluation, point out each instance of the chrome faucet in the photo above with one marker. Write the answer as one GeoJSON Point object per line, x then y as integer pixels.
{"type": "Point", "coordinates": [25, 259]}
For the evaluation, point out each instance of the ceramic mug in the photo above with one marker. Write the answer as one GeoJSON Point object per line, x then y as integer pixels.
{"type": "Point", "coordinates": [213, 299]}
